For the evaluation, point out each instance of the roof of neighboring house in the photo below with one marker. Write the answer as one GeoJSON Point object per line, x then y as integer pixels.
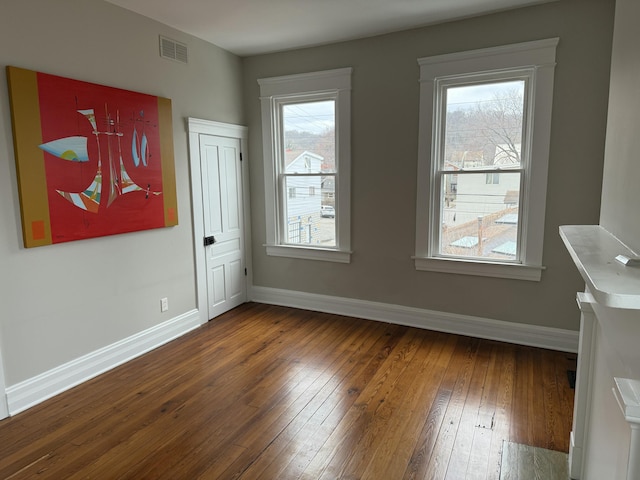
{"type": "Point", "coordinates": [512, 197]}
{"type": "Point", "coordinates": [296, 164]}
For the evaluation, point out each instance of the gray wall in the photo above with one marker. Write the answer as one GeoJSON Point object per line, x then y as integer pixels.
{"type": "Point", "coordinates": [62, 301]}
{"type": "Point", "coordinates": [618, 332]}
{"type": "Point", "coordinates": [384, 146]}
{"type": "Point", "coordinates": [620, 192]}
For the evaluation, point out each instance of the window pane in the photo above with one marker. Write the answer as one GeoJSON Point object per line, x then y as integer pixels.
{"type": "Point", "coordinates": [309, 128]}
{"type": "Point", "coordinates": [484, 124]}
{"type": "Point", "coordinates": [310, 215]}
{"type": "Point", "coordinates": [480, 218]}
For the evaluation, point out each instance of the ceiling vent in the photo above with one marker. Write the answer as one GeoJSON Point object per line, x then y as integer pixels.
{"type": "Point", "coordinates": [173, 50]}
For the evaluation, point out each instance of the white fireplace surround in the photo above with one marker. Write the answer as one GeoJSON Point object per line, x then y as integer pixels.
{"type": "Point", "coordinates": [609, 285]}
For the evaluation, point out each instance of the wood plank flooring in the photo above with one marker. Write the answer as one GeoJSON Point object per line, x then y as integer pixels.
{"type": "Point", "coordinates": [265, 392]}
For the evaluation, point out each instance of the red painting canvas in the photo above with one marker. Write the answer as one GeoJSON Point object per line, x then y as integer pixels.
{"type": "Point", "coordinates": [92, 160]}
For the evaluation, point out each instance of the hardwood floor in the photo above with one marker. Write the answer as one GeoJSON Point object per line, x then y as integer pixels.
{"type": "Point", "coordinates": [265, 392]}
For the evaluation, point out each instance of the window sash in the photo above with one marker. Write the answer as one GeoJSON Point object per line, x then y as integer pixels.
{"type": "Point", "coordinates": [490, 218]}
{"type": "Point", "coordinates": [278, 106]}
{"type": "Point", "coordinates": [439, 171]}
{"type": "Point", "coordinates": [285, 196]}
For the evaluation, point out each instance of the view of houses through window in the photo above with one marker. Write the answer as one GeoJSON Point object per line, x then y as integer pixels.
{"type": "Point", "coordinates": [480, 167]}
{"type": "Point", "coordinates": [309, 172]}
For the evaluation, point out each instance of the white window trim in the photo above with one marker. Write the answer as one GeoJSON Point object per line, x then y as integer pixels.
{"type": "Point", "coordinates": [539, 55]}
{"type": "Point", "coordinates": [338, 83]}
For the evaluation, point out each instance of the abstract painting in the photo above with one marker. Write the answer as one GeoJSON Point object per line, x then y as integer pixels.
{"type": "Point", "coordinates": [91, 160]}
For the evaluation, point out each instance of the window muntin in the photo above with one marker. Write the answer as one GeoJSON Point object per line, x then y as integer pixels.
{"type": "Point", "coordinates": [481, 124]}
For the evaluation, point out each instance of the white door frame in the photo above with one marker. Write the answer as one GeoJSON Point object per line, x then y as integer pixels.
{"type": "Point", "coordinates": [197, 127]}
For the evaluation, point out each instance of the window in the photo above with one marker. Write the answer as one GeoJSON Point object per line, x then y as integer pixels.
{"type": "Point", "coordinates": [492, 179]}
{"type": "Point", "coordinates": [483, 160]}
{"type": "Point", "coordinates": [306, 143]}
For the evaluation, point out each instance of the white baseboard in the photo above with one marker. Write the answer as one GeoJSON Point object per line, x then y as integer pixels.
{"type": "Point", "coordinates": [48, 384]}
{"type": "Point", "coordinates": [518, 333]}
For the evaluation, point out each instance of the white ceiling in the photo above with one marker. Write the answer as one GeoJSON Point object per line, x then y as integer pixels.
{"type": "Point", "coordinates": [249, 27]}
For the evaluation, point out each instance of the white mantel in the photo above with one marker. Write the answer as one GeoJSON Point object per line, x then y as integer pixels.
{"type": "Point", "coordinates": [613, 285]}
{"type": "Point", "coordinates": [594, 250]}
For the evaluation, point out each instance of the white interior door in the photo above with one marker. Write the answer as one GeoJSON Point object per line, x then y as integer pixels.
{"type": "Point", "coordinates": [222, 195]}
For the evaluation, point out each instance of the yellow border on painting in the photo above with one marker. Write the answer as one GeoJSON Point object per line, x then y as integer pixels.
{"type": "Point", "coordinates": [27, 135]}
{"type": "Point", "coordinates": [169, 193]}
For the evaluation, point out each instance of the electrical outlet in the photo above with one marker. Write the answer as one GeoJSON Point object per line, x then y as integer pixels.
{"type": "Point", "coordinates": [164, 304]}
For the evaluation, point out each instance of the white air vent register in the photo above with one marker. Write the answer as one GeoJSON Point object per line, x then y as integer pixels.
{"type": "Point", "coordinates": [173, 50]}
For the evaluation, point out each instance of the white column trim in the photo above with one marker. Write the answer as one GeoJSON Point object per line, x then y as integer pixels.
{"type": "Point", "coordinates": [627, 393]}
{"type": "Point", "coordinates": [633, 466]}
{"type": "Point", "coordinates": [582, 397]}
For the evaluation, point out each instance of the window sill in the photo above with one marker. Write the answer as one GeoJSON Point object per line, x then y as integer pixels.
{"type": "Point", "coordinates": [458, 266]}
{"type": "Point", "coordinates": [309, 253]}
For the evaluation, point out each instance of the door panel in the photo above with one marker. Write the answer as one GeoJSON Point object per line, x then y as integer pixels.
{"type": "Point", "coordinates": [236, 275]}
{"type": "Point", "coordinates": [223, 219]}
{"type": "Point", "coordinates": [232, 169]}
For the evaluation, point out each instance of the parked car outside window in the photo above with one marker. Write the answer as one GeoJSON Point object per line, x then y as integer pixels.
{"type": "Point", "coordinates": [327, 211]}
